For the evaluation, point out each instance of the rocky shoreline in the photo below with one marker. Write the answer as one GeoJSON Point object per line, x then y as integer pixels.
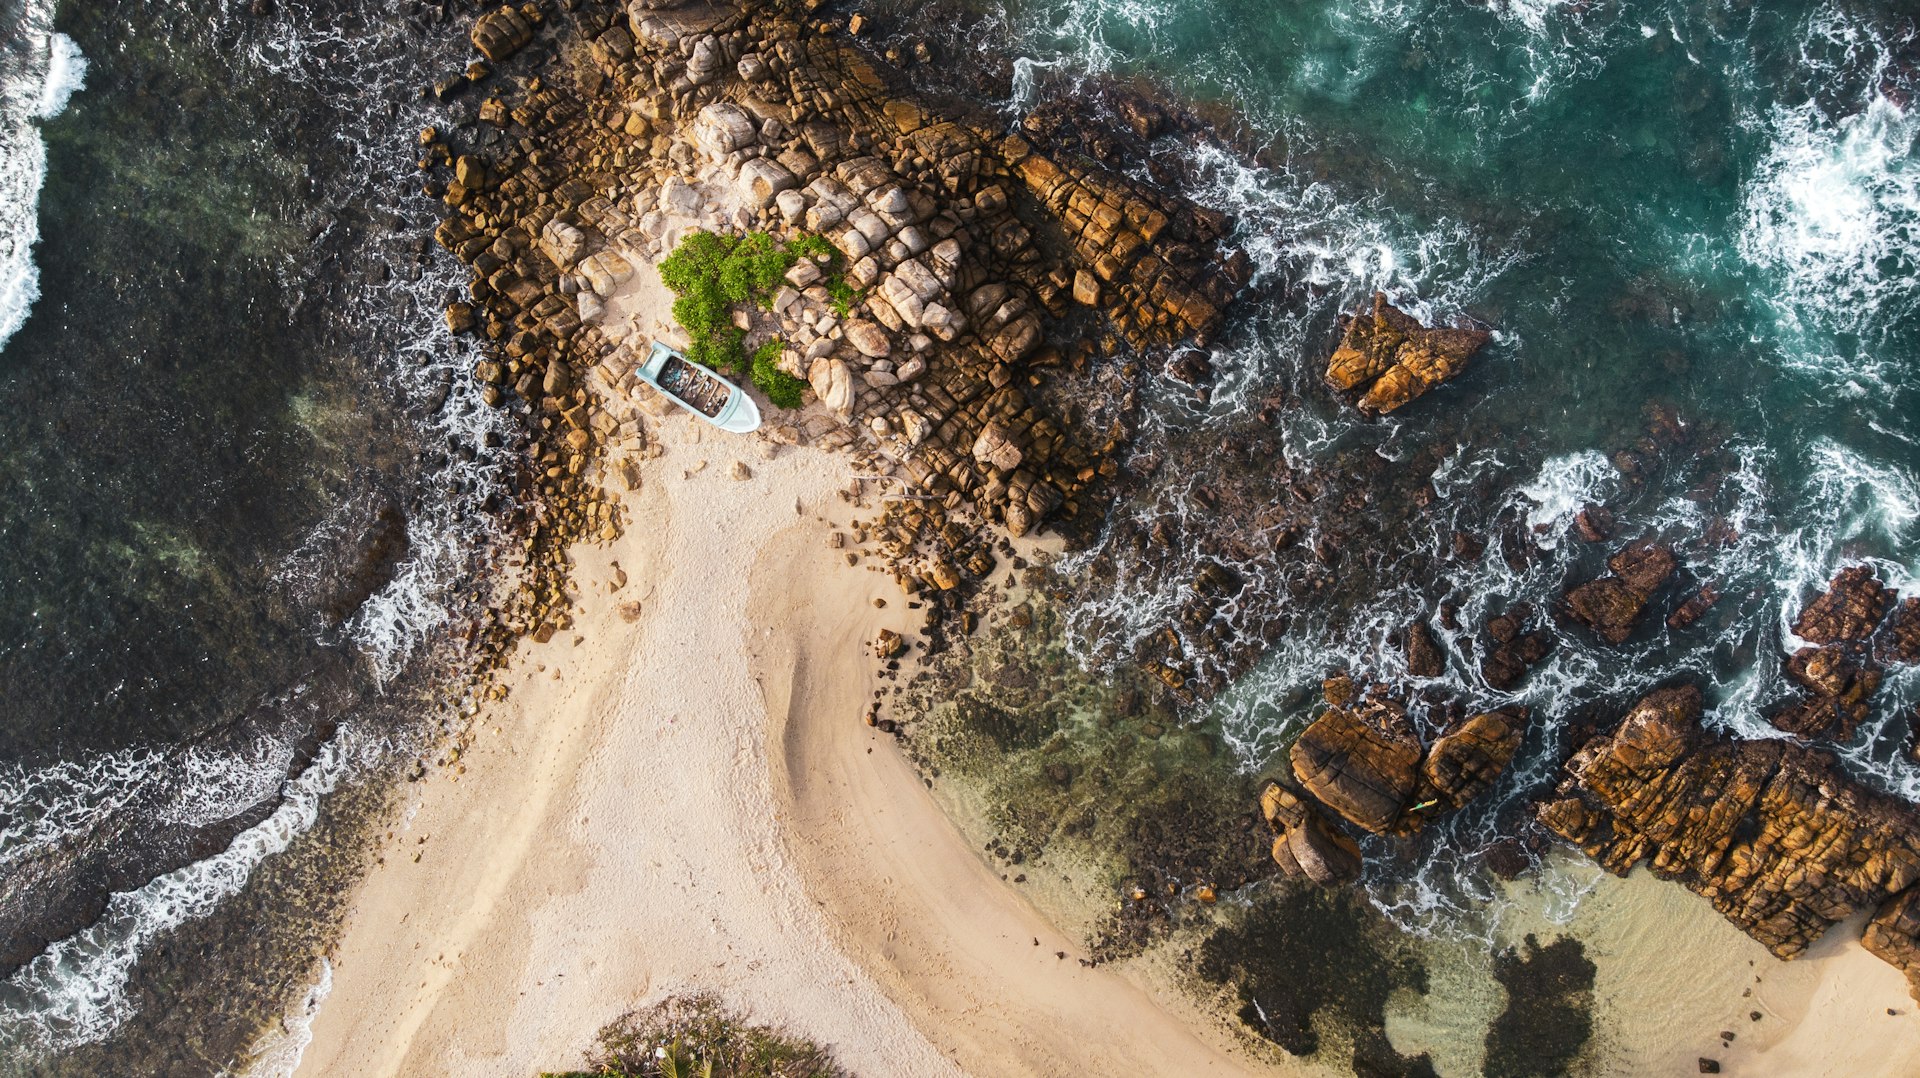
{"type": "Point", "coordinates": [956, 343]}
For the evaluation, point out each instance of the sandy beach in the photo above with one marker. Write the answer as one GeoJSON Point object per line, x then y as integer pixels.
{"type": "Point", "coordinates": [689, 801]}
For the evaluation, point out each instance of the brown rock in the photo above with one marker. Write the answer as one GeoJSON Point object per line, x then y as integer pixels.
{"type": "Point", "coordinates": [1842, 682]}
{"type": "Point", "coordinates": [1902, 644]}
{"type": "Point", "coordinates": [1389, 351]}
{"type": "Point", "coordinates": [1370, 345]}
{"type": "Point", "coordinates": [1424, 657]}
{"type": "Point", "coordinates": [1361, 763]}
{"type": "Point", "coordinates": [1848, 610]}
{"type": "Point", "coordinates": [1772, 833]}
{"type": "Point", "coordinates": [1893, 936]}
{"type": "Point", "coordinates": [1611, 604]}
{"type": "Point", "coordinates": [1464, 764]}
{"type": "Point", "coordinates": [1593, 524]}
{"type": "Point", "coordinates": [1694, 608]}
{"type": "Point", "coordinates": [500, 34]}
{"type": "Point", "coordinates": [1305, 845]}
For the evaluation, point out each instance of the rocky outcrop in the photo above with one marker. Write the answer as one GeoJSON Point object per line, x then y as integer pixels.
{"type": "Point", "coordinates": [1513, 648]}
{"type": "Point", "coordinates": [1893, 936]}
{"type": "Point", "coordinates": [1396, 359]}
{"type": "Point", "coordinates": [1362, 762]}
{"type": "Point", "coordinates": [1847, 612]}
{"type": "Point", "coordinates": [1464, 763]}
{"type": "Point", "coordinates": [1611, 604]}
{"type": "Point", "coordinates": [1841, 682]}
{"type": "Point", "coordinates": [1772, 833]}
{"type": "Point", "coordinates": [1902, 643]}
{"type": "Point", "coordinates": [1305, 845]}
{"type": "Point", "coordinates": [1841, 672]}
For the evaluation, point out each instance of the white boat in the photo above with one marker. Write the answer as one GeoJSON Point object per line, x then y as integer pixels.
{"type": "Point", "coordinates": [700, 390]}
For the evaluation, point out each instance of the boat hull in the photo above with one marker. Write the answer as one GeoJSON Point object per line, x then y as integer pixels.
{"type": "Point", "coordinates": [700, 390]}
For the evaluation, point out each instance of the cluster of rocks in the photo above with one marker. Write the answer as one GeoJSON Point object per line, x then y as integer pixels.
{"type": "Point", "coordinates": [962, 250]}
{"type": "Point", "coordinates": [1850, 638]}
{"type": "Point", "coordinates": [1362, 761]}
{"type": "Point", "coordinates": [1611, 604]}
{"type": "Point", "coordinates": [1389, 355]}
{"type": "Point", "coordinates": [1773, 833]}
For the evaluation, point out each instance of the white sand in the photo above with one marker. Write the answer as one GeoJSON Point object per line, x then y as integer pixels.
{"type": "Point", "coordinates": [650, 819]}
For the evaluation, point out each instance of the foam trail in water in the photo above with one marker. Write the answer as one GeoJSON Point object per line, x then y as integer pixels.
{"type": "Point", "coordinates": [1830, 216]}
{"type": "Point", "coordinates": [39, 70]}
{"type": "Point", "coordinates": [74, 992]}
{"type": "Point", "coordinates": [43, 806]}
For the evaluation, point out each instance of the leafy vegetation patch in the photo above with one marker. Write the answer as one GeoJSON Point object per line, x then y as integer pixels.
{"type": "Point", "coordinates": [697, 1037]}
{"type": "Point", "coordinates": [710, 274]}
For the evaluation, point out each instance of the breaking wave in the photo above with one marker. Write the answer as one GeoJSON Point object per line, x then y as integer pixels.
{"type": "Point", "coordinates": [39, 71]}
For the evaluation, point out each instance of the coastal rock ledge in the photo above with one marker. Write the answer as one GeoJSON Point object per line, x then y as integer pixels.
{"type": "Point", "coordinates": [1771, 832]}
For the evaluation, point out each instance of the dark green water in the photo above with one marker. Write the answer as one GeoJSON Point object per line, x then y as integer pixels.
{"type": "Point", "coordinates": [238, 487]}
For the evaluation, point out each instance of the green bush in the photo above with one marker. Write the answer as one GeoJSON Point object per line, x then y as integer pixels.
{"type": "Point", "coordinates": [842, 294]}
{"type": "Point", "coordinates": [781, 388]}
{"type": "Point", "coordinates": [710, 274]}
{"type": "Point", "coordinates": [695, 1037]}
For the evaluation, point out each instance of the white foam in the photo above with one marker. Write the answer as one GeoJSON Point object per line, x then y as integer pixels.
{"type": "Point", "coordinates": [74, 992]}
{"type": "Point", "coordinates": [1565, 484]}
{"type": "Point", "coordinates": [44, 806]}
{"type": "Point", "coordinates": [1830, 216]}
{"type": "Point", "coordinates": [52, 72]}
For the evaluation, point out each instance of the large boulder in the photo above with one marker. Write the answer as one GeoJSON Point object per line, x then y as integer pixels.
{"type": "Point", "coordinates": [722, 128]}
{"type": "Point", "coordinates": [1305, 845]}
{"type": "Point", "coordinates": [562, 243]}
{"type": "Point", "coordinates": [1362, 762]}
{"type": "Point", "coordinates": [1841, 682]}
{"type": "Point", "coordinates": [1893, 936]}
{"type": "Point", "coordinates": [500, 34]}
{"type": "Point", "coordinates": [1848, 610]}
{"type": "Point", "coordinates": [1395, 357]}
{"type": "Point", "coordinates": [1463, 765]}
{"type": "Point", "coordinates": [832, 382]}
{"type": "Point", "coordinates": [606, 272]}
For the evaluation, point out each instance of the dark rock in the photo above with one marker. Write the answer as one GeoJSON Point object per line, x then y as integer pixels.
{"type": "Point", "coordinates": [1593, 524]}
{"type": "Point", "coordinates": [1694, 608]}
{"type": "Point", "coordinates": [1424, 657]}
{"type": "Point", "coordinates": [1609, 605]}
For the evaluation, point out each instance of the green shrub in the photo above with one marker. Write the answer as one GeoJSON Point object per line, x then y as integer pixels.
{"type": "Point", "coordinates": [710, 274]}
{"type": "Point", "coordinates": [695, 1037]}
{"type": "Point", "coordinates": [781, 388]}
{"type": "Point", "coordinates": [842, 295]}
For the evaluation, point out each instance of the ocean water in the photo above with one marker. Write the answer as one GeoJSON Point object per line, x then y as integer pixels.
{"type": "Point", "coordinates": [1704, 214]}
{"type": "Point", "coordinates": [241, 488]}
{"type": "Point", "coordinates": [223, 379]}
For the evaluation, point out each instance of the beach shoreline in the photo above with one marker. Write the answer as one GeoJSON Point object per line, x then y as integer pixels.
{"type": "Point", "coordinates": [612, 836]}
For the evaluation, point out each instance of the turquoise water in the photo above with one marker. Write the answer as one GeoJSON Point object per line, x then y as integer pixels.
{"type": "Point", "coordinates": [1709, 207]}
{"type": "Point", "coordinates": [1708, 212]}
